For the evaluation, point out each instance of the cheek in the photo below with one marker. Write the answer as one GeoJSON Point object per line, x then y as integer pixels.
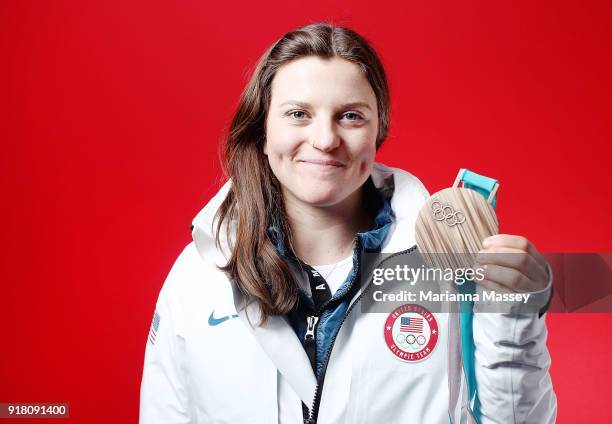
{"type": "Point", "coordinates": [368, 158]}
{"type": "Point", "coordinates": [279, 155]}
{"type": "Point", "coordinates": [278, 150]}
{"type": "Point", "coordinates": [363, 146]}
{"type": "Point", "coordinates": [281, 143]}
{"type": "Point", "coordinates": [364, 153]}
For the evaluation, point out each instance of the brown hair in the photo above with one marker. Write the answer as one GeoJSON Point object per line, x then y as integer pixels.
{"type": "Point", "coordinates": [255, 198]}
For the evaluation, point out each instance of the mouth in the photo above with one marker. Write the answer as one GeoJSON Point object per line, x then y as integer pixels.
{"type": "Point", "coordinates": [325, 163]}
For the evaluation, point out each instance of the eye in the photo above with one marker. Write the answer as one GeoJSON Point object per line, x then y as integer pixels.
{"type": "Point", "coordinates": [297, 114]}
{"type": "Point", "coordinates": [352, 116]}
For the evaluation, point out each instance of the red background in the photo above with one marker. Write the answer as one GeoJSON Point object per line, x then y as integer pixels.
{"type": "Point", "coordinates": [110, 118]}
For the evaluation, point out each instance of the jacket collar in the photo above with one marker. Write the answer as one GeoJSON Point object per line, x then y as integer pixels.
{"type": "Point", "coordinates": [370, 240]}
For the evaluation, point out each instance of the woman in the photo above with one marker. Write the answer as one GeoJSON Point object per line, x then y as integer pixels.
{"type": "Point", "coordinates": [256, 322]}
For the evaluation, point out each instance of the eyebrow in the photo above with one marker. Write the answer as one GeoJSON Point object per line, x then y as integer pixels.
{"type": "Point", "coordinates": [343, 106]}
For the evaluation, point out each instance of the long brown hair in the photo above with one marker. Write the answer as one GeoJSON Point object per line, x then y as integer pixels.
{"type": "Point", "coordinates": [255, 198]}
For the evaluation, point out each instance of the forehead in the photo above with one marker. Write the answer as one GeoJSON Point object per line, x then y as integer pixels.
{"type": "Point", "coordinates": [321, 81]}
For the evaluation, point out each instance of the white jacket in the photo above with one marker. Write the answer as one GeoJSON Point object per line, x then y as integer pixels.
{"type": "Point", "coordinates": [208, 365]}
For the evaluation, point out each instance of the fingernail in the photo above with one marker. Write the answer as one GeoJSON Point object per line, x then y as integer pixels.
{"type": "Point", "coordinates": [486, 242]}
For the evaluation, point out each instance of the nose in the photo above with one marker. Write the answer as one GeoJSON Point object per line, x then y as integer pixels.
{"type": "Point", "coordinates": [325, 136]}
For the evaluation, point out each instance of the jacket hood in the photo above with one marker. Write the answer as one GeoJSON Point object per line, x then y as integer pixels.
{"type": "Point", "coordinates": [406, 192]}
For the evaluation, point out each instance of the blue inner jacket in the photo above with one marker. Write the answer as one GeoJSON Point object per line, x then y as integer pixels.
{"type": "Point", "coordinates": [331, 317]}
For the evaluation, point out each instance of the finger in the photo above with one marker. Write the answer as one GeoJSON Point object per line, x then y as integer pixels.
{"type": "Point", "coordinates": [509, 277]}
{"type": "Point", "coordinates": [513, 258]}
{"type": "Point", "coordinates": [517, 242]}
{"type": "Point", "coordinates": [492, 285]}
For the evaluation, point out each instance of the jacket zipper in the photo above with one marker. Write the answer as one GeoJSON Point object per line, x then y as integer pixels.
{"type": "Point", "coordinates": [310, 344]}
{"type": "Point", "coordinates": [314, 410]}
{"type": "Point", "coordinates": [312, 322]}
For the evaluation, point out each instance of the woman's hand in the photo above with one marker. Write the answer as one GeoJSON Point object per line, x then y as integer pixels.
{"type": "Point", "coordinates": [512, 264]}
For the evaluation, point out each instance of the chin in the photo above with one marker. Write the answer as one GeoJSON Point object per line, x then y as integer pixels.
{"type": "Point", "coordinates": [318, 199]}
{"type": "Point", "coordinates": [322, 197]}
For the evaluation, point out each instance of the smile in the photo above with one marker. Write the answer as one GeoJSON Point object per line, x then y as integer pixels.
{"type": "Point", "coordinates": [322, 164]}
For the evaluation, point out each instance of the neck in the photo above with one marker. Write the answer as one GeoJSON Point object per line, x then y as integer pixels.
{"type": "Point", "coordinates": [325, 235]}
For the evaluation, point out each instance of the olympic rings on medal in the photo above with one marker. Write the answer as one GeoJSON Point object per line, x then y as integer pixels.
{"type": "Point", "coordinates": [400, 339]}
{"type": "Point", "coordinates": [446, 213]}
{"type": "Point", "coordinates": [420, 340]}
{"type": "Point", "coordinates": [410, 339]}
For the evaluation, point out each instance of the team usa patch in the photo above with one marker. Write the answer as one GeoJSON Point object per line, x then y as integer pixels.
{"type": "Point", "coordinates": [154, 327]}
{"type": "Point", "coordinates": [411, 332]}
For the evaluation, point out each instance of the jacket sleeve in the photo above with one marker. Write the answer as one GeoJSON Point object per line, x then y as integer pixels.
{"type": "Point", "coordinates": [163, 390]}
{"type": "Point", "coordinates": [511, 362]}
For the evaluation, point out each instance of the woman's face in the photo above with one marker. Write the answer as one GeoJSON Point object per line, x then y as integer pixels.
{"type": "Point", "coordinates": [321, 130]}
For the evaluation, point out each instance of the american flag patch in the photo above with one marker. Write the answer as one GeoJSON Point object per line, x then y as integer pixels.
{"type": "Point", "coordinates": [411, 325]}
{"type": "Point", "coordinates": [154, 327]}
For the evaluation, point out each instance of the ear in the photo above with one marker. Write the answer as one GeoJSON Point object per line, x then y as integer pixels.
{"type": "Point", "coordinates": [265, 147]}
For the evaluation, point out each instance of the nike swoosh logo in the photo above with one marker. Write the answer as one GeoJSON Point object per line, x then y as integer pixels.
{"type": "Point", "coordinates": [212, 321]}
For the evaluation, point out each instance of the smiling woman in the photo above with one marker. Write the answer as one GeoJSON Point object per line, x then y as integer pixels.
{"type": "Point", "coordinates": [301, 145]}
{"type": "Point", "coordinates": [321, 148]}
{"type": "Point", "coordinates": [259, 319]}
